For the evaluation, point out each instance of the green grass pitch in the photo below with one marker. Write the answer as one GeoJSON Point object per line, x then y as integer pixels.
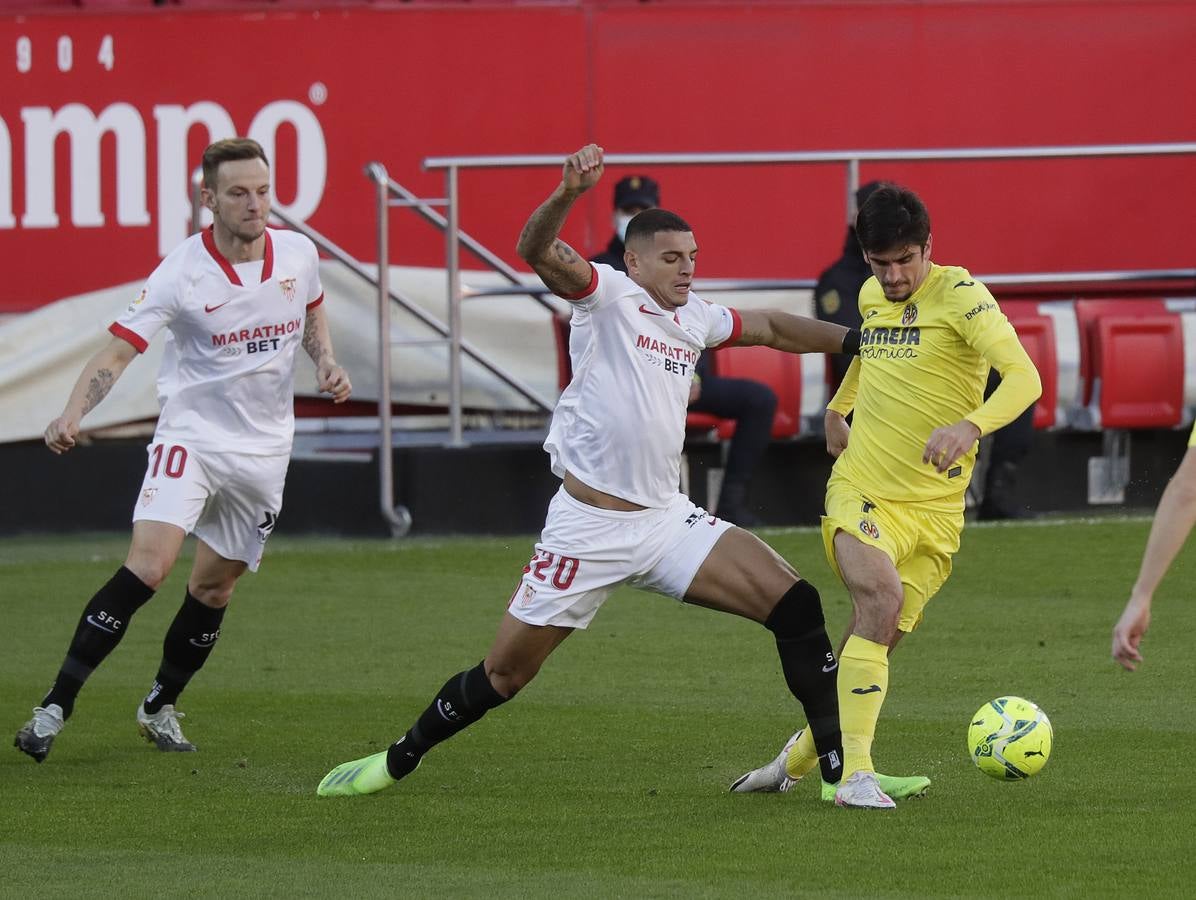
{"type": "Point", "coordinates": [608, 776]}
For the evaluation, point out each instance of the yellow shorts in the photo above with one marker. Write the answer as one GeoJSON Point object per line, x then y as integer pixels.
{"type": "Point", "coordinates": [919, 538]}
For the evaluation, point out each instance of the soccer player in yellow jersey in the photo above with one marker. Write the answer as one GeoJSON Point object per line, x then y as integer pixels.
{"type": "Point", "coordinates": [1173, 521]}
{"type": "Point", "coordinates": [895, 499]}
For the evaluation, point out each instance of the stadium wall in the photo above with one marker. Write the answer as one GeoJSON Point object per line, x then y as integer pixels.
{"type": "Point", "coordinates": [505, 489]}
{"type": "Point", "coordinates": [103, 114]}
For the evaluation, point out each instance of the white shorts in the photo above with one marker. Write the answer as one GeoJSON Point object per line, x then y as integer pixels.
{"type": "Point", "coordinates": [230, 501]}
{"type": "Point", "coordinates": [584, 553]}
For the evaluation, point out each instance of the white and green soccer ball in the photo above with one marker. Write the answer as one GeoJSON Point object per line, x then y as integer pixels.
{"type": "Point", "coordinates": [1010, 738]}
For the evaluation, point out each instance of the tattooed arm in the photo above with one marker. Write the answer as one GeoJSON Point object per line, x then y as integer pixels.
{"type": "Point", "coordinates": [330, 378]}
{"type": "Point", "coordinates": [93, 385]}
{"type": "Point", "coordinates": [559, 266]}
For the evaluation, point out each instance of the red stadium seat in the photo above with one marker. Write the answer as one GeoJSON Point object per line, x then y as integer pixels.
{"type": "Point", "coordinates": [1088, 313]}
{"type": "Point", "coordinates": [1138, 365]}
{"type": "Point", "coordinates": [699, 423]}
{"type": "Point", "coordinates": [1037, 334]}
{"type": "Point", "coordinates": [780, 371]}
{"type": "Point", "coordinates": [708, 425]}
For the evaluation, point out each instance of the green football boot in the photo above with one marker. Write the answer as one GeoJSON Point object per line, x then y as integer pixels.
{"type": "Point", "coordinates": [361, 776]}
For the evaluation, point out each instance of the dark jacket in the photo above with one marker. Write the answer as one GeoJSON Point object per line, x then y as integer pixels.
{"type": "Point", "coordinates": [837, 296]}
{"type": "Point", "coordinates": [612, 255]}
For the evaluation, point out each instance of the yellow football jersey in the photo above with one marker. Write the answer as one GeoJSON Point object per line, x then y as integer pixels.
{"type": "Point", "coordinates": [921, 367]}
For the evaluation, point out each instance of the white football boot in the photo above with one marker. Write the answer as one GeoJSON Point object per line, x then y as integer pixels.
{"type": "Point", "coordinates": [162, 729]}
{"type": "Point", "coordinates": [769, 778]}
{"type": "Point", "coordinates": [37, 735]}
{"type": "Point", "coordinates": [860, 791]}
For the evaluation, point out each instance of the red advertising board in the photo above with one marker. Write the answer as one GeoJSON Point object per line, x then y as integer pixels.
{"type": "Point", "coordinates": [103, 116]}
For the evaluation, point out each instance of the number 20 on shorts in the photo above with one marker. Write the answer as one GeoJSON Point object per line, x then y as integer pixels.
{"type": "Point", "coordinates": [562, 576]}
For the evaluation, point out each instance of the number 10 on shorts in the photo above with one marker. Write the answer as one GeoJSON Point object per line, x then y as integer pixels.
{"type": "Point", "coordinates": [175, 457]}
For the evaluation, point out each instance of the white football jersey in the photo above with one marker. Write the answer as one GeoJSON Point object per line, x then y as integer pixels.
{"type": "Point", "coordinates": [619, 425]}
{"type": "Point", "coordinates": [227, 376]}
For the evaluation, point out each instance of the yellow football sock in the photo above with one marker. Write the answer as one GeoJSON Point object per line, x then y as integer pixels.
{"type": "Point", "coordinates": [802, 756]}
{"type": "Point", "coordinates": [863, 683]}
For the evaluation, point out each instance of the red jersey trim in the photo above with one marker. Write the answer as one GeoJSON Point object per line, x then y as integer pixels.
{"type": "Point", "coordinates": [268, 261]}
{"type": "Point", "coordinates": [736, 328]}
{"type": "Point", "coordinates": [590, 288]}
{"type": "Point", "coordinates": [315, 303]}
{"type": "Point", "coordinates": [209, 242]}
{"type": "Point", "coordinates": [131, 336]}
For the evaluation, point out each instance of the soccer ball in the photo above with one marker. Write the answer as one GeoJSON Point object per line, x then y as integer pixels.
{"type": "Point", "coordinates": [1010, 738]}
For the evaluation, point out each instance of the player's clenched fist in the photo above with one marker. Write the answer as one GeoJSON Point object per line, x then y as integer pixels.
{"type": "Point", "coordinates": [583, 169]}
{"type": "Point", "coordinates": [335, 381]}
{"type": "Point", "coordinates": [60, 434]}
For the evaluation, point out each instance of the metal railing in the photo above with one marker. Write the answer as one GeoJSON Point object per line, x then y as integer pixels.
{"type": "Point", "coordinates": [851, 159]}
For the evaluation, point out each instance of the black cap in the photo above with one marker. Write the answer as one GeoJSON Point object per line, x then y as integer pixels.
{"type": "Point", "coordinates": [636, 190]}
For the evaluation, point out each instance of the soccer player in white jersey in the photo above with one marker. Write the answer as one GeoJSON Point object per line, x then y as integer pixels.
{"type": "Point", "coordinates": [615, 441]}
{"type": "Point", "coordinates": [237, 300]}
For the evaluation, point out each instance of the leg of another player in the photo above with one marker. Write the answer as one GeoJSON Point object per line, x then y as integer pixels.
{"type": "Point", "coordinates": [189, 642]}
{"type": "Point", "coordinates": [516, 655]}
{"type": "Point", "coordinates": [104, 621]}
{"type": "Point", "coordinates": [744, 576]}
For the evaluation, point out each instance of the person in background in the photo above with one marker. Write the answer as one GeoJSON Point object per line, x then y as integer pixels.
{"type": "Point", "coordinates": [750, 404]}
{"type": "Point", "coordinates": [838, 290]}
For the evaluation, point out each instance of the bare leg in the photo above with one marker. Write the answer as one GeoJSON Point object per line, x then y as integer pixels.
{"type": "Point", "coordinates": [518, 652]}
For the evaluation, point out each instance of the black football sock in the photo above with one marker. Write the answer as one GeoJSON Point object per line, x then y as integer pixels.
{"type": "Point", "coordinates": [189, 642]}
{"type": "Point", "coordinates": [103, 623]}
{"type": "Point", "coordinates": [810, 668]}
{"type": "Point", "coordinates": [464, 699]}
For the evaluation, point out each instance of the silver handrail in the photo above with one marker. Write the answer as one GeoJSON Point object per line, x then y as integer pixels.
{"type": "Point", "coordinates": [711, 285]}
{"type": "Point", "coordinates": [851, 158]}
{"type": "Point", "coordinates": [452, 238]}
{"type": "Point", "coordinates": [819, 156]}
{"type": "Point", "coordinates": [425, 209]}
{"type": "Point", "coordinates": [396, 515]}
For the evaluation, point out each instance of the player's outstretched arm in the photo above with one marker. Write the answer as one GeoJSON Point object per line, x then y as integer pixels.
{"type": "Point", "coordinates": [1173, 521]}
{"type": "Point", "coordinates": [559, 266]}
{"type": "Point", "coordinates": [95, 381]}
{"type": "Point", "coordinates": [795, 334]}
